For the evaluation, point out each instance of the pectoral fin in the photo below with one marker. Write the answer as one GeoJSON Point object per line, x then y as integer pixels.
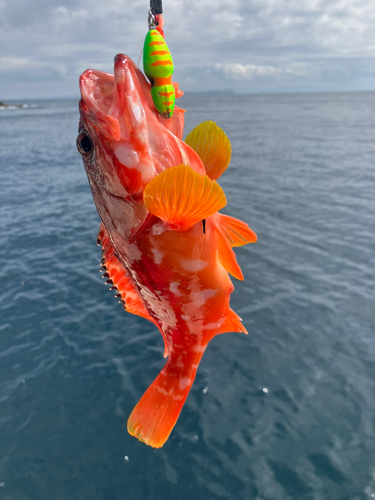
{"type": "Point", "coordinates": [212, 146]}
{"type": "Point", "coordinates": [183, 197]}
{"type": "Point", "coordinates": [237, 232]}
{"type": "Point", "coordinates": [144, 227]}
{"type": "Point", "coordinates": [226, 255]}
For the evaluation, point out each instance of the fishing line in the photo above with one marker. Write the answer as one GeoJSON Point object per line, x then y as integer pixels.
{"type": "Point", "coordinates": [156, 6]}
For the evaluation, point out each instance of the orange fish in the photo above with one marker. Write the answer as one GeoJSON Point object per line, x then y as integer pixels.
{"type": "Point", "coordinates": [166, 247]}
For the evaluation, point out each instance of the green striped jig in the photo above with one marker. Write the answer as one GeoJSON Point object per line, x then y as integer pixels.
{"type": "Point", "coordinates": [158, 67]}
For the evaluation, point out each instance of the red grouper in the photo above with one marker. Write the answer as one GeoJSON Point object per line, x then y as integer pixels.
{"type": "Point", "coordinates": [166, 248]}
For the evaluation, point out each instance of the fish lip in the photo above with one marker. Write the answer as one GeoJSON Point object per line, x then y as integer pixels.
{"type": "Point", "coordinates": [122, 59]}
{"type": "Point", "coordinates": [110, 100]}
{"type": "Point", "coordinates": [96, 94]}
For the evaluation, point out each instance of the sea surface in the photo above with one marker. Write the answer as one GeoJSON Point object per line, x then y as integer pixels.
{"type": "Point", "coordinates": [287, 412]}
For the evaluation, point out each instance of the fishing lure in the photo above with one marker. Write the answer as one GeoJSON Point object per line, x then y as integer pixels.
{"type": "Point", "coordinates": [158, 66]}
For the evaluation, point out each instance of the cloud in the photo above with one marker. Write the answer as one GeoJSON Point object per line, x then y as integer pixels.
{"type": "Point", "coordinates": [27, 69]}
{"type": "Point", "coordinates": [14, 63]}
{"type": "Point", "coordinates": [215, 43]}
{"type": "Point", "coordinates": [235, 71]}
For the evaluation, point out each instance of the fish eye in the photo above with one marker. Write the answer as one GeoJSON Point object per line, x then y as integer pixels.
{"type": "Point", "coordinates": [84, 144]}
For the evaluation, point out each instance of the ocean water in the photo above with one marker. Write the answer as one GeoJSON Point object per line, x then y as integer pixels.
{"type": "Point", "coordinates": [287, 412]}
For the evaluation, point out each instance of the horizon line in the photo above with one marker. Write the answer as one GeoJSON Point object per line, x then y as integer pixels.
{"type": "Point", "coordinates": [205, 93]}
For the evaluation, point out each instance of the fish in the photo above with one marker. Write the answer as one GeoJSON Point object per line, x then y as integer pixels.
{"type": "Point", "coordinates": [166, 247]}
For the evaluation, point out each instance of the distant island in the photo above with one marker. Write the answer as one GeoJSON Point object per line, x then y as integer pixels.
{"type": "Point", "coordinates": [3, 105]}
{"type": "Point", "coordinates": [210, 92]}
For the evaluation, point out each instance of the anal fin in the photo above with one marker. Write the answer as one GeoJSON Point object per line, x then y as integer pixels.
{"type": "Point", "coordinates": [232, 323]}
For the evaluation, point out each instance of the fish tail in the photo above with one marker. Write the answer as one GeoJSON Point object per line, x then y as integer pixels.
{"type": "Point", "coordinates": [155, 415]}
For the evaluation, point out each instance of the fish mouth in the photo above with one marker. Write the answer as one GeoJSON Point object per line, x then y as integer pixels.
{"type": "Point", "coordinates": [113, 103]}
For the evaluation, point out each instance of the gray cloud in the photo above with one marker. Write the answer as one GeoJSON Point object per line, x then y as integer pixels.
{"type": "Point", "coordinates": [245, 45]}
{"type": "Point", "coordinates": [237, 71]}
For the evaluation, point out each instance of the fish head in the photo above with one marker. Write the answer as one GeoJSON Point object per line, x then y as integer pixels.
{"type": "Point", "coordinates": [123, 140]}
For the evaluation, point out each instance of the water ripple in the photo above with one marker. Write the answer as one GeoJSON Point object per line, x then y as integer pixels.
{"type": "Point", "coordinates": [284, 413]}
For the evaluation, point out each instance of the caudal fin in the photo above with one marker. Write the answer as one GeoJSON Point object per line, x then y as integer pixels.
{"type": "Point", "coordinates": [154, 417]}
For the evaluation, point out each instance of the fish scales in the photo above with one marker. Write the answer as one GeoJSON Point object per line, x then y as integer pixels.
{"type": "Point", "coordinates": [155, 194]}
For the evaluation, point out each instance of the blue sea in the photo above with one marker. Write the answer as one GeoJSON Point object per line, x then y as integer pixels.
{"type": "Point", "coordinates": [287, 412]}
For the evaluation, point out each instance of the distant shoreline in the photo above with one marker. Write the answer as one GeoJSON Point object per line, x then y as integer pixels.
{"type": "Point", "coordinates": [4, 105]}
{"type": "Point", "coordinates": [198, 94]}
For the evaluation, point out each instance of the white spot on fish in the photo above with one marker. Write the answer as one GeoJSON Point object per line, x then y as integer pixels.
{"type": "Point", "coordinates": [138, 113]}
{"type": "Point", "coordinates": [158, 228]}
{"type": "Point", "coordinates": [158, 256]}
{"type": "Point", "coordinates": [196, 300]}
{"type": "Point", "coordinates": [199, 348]}
{"type": "Point", "coordinates": [208, 293]}
{"type": "Point", "coordinates": [133, 253]}
{"type": "Point", "coordinates": [166, 313]}
{"type": "Point", "coordinates": [194, 265]}
{"type": "Point", "coordinates": [214, 324]}
{"type": "Point", "coordinates": [184, 382]}
{"type": "Point", "coordinates": [127, 156]}
{"type": "Point", "coordinates": [173, 287]}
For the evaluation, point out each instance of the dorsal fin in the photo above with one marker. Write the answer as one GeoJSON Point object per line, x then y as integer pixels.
{"type": "Point", "coordinates": [182, 197]}
{"type": "Point", "coordinates": [237, 232]}
{"type": "Point", "coordinates": [212, 146]}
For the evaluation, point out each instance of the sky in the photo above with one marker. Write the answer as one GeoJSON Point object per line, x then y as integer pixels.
{"type": "Point", "coordinates": [245, 46]}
